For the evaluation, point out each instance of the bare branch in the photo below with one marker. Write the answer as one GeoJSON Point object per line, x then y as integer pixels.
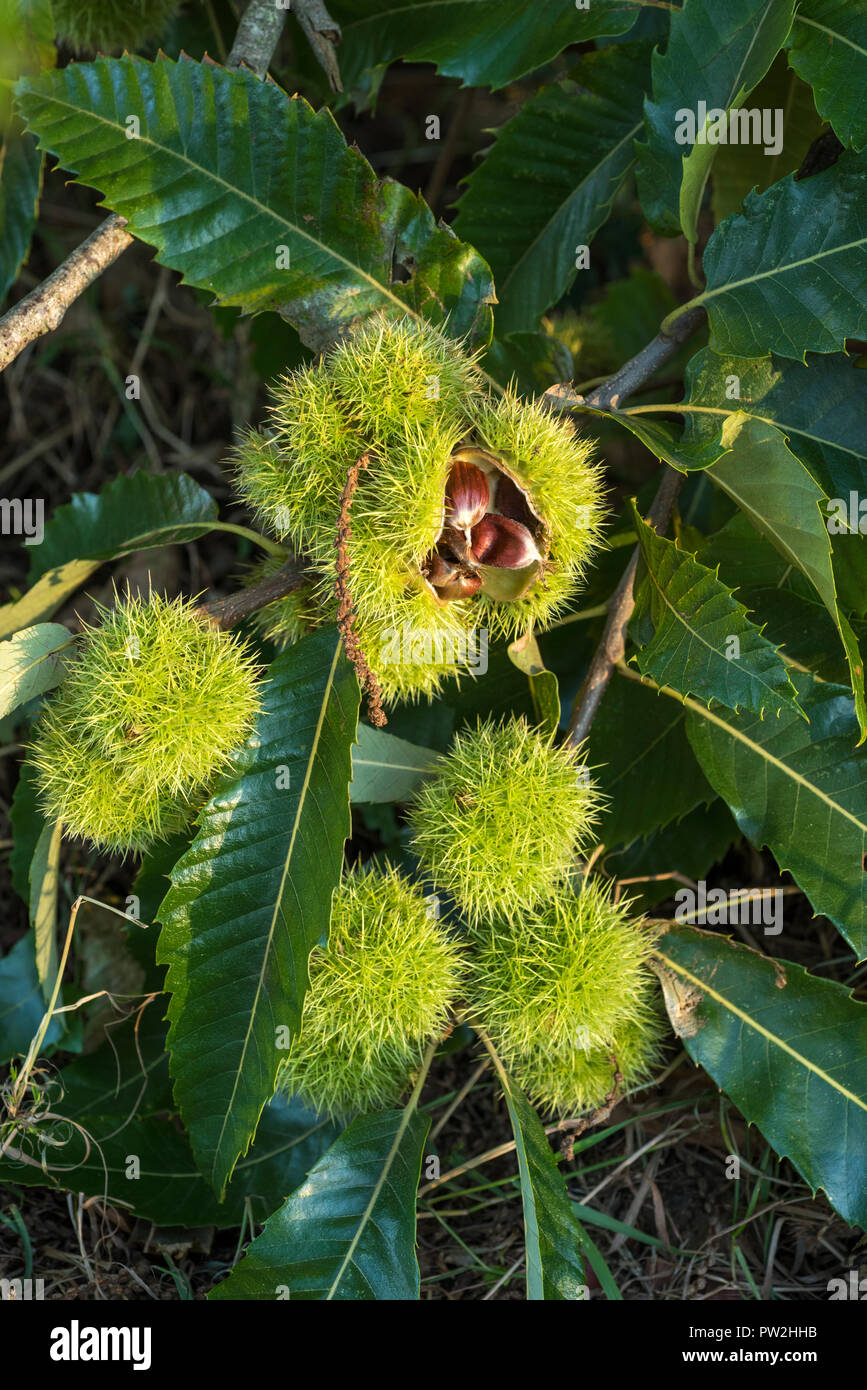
{"type": "Point", "coordinates": [322, 33]}
{"type": "Point", "coordinates": [613, 642]}
{"type": "Point", "coordinates": [633, 374]}
{"type": "Point", "coordinates": [257, 37]}
{"type": "Point", "coordinates": [226, 612]}
{"type": "Point", "coordinates": [43, 309]}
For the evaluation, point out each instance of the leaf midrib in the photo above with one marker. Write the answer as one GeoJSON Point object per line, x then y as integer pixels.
{"type": "Point", "coordinates": [209, 176]}
{"type": "Point", "coordinates": [269, 940]}
{"type": "Point", "coordinates": [832, 34]}
{"type": "Point", "coordinates": [708, 989]}
{"type": "Point", "coordinates": [561, 207]}
{"type": "Point", "coordinates": [774, 271]}
{"type": "Point", "coordinates": [714, 651]}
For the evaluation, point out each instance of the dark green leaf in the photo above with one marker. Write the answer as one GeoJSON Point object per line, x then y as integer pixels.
{"type": "Point", "coordinates": [246, 194]}
{"type": "Point", "coordinates": [252, 896]}
{"type": "Point", "coordinates": [27, 826]}
{"type": "Point", "coordinates": [703, 643]}
{"type": "Point", "coordinates": [828, 47]}
{"type": "Point", "coordinates": [800, 789]}
{"type": "Point", "coordinates": [116, 1095]}
{"type": "Point", "coordinates": [546, 186]}
{"type": "Point", "coordinates": [486, 43]}
{"type": "Point", "coordinates": [788, 275]}
{"type": "Point", "coordinates": [716, 54]}
{"type": "Point", "coordinates": [349, 1232]}
{"type": "Point", "coordinates": [128, 514]}
{"type": "Point", "coordinates": [787, 1047]}
{"type": "Point", "coordinates": [26, 45]}
{"type": "Point", "coordinates": [20, 184]}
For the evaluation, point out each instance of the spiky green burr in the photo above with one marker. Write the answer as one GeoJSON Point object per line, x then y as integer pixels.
{"type": "Point", "coordinates": [144, 721]}
{"type": "Point", "coordinates": [379, 992]}
{"type": "Point", "coordinates": [499, 823]}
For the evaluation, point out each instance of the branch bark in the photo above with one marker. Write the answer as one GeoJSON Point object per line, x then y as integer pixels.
{"type": "Point", "coordinates": [634, 373]}
{"type": "Point", "coordinates": [44, 308]}
{"type": "Point", "coordinates": [226, 612]}
{"type": "Point", "coordinates": [257, 37]}
{"type": "Point", "coordinates": [322, 34]}
{"type": "Point", "coordinates": [608, 397]}
{"type": "Point", "coordinates": [613, 642]}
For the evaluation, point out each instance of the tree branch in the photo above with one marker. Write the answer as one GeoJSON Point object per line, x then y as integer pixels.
{"type": "Point", "coordinates": [257, 37]}
{"type": "Point", "coordinates": [44, 308]}
{"type": "Point", "coordinates": [613, 642]}
{"type": "Point", "coordinates": [608, 397]}
{"type": "Point", "coordinates": [322, 34]}
{"type": "Point", "coordinates": [226, 612]}
{"type": "Point", "coordinates": [633, 374]}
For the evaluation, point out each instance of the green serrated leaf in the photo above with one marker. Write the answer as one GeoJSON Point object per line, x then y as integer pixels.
{"type": "Point", "coordinates": [787, 277]}
{"type": "Point", "coordinates": [547, 185]}
{"type": "Point", "coordinates": [778, 494]}
{"type": "Point", "coordinates": [738, 169]}
{"type": "Point", "coordinates": [819, 406]}
{"type": "Point", "coordinates": [716, 55]}
{"type": "Point", "coordinates": [486, 43]}
{"type": "Point", "coordinates": [245, 193]}
{"type": "Point", "coordinates": [553, 1237]}
{"type": "Point", "coordinates": [787, 1047]}
{"type": "Point", "coordinates": [641, 759]}
{"type": "Point", "coordinates": [703, 643]}
{"type": "Point", "coordinates": [828, 48]}
{"type": "Point", "coordinates": [138, 1159]}
{"type": "Point", "coordinates": [385, 768]}
{"type": "Point", "coordinates": [252, 896]}
{"type": "Point", "coordinates": [30, 664]}
{"type": "Point", "coordinates": [129, 514]}
{"type": "Point", "coordinates": [801, 789]}
{"type": "Point", "coordinates": [349, 1232]}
